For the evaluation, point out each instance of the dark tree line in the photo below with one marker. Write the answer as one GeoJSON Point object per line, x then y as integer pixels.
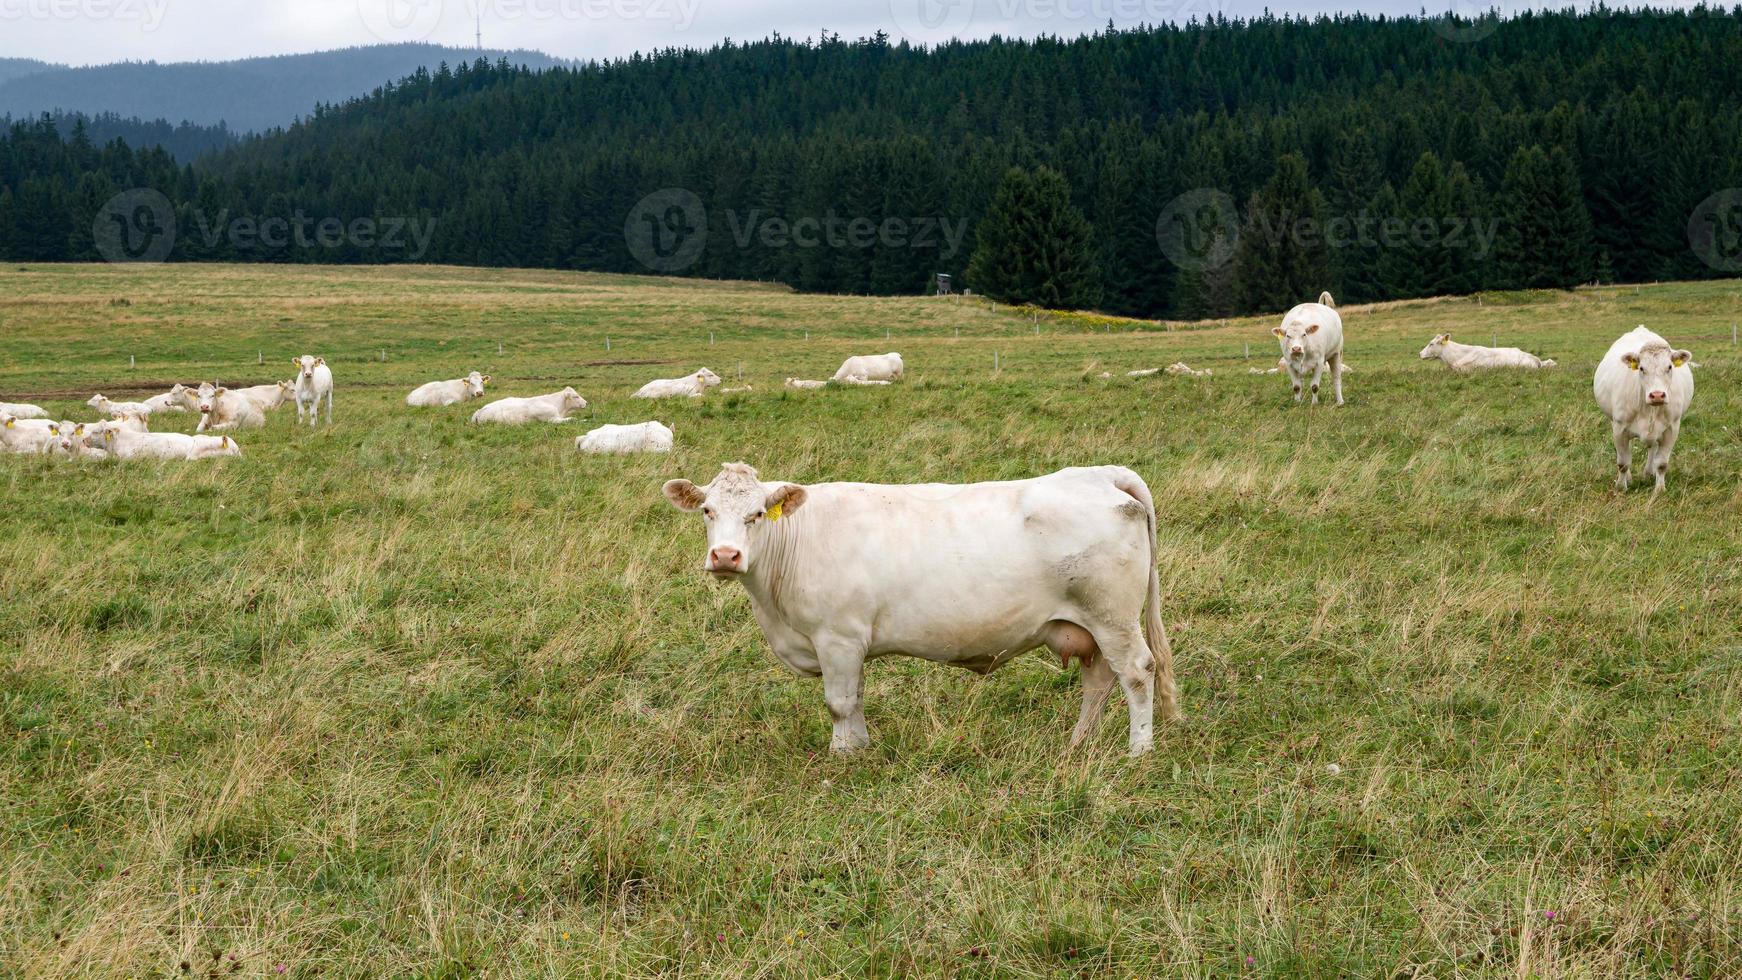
{"type": "Point", "coordinates": [1369, 156]}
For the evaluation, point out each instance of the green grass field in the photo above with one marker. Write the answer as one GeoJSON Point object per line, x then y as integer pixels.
{"type": "Point", "coordinates": [405, 698]}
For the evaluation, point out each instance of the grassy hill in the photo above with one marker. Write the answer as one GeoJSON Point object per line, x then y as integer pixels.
{"type": "Point", "coordinates": [405, 697]}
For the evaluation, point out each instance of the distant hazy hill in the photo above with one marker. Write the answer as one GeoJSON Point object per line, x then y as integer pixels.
{"type": "Point", "coordinates": [250, 95]}
{"type": "Point", "coordinates": [11, 68]}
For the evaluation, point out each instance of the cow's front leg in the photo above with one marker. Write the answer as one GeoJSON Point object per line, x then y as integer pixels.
{"type": "Point", "coordinates": [1318, 375]}
{"type": "Point", "coordinates": [843, 665]}
{"type": "Point", "coordinates": [1623, 455]}
{"type": "Point", "coordinates": [1295, 377]}
{"type": "Point", "coordinates": [1658, 459]}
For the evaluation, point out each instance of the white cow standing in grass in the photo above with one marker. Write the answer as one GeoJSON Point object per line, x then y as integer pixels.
{"type": "Point", "coordinates": [647, 437]}
{"type": "Point", "coordinates": [1645, 387]}
{"type": "Point", "coordinates": [314, 381]}
{"type": "Point", "coordinates": [972, 575]}
{"type": "Point", "coordinates": [871, 367]}
{"type": "Point", "coordinates": [1464, 358]}
{"type": "Point", "coordinates": [1312, 339]}
{"type": "Point", "coordinates": [556, 407]}
{"type": "Point", "coordinates": [438, 394]}
{"type": "Point", "coordinates": [690, 386]}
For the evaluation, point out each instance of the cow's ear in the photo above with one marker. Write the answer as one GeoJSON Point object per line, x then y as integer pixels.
{"type": "Point", "coordinates": [1444, 338]}
{"type": "Point", "coordinates": [1312, 328]}
{"type": "Point", "coordinates": [320, 360]}
{"type": "Point", "coordinates": [1631, 360]}
{"type": "Point", "coordinates": [1680, 357]}
{"type": "Point", "coordinates": [684, 495]}
{"type": "Point", "coordinates": [1276, 330]}
{"type": "Point", "coordinates": [486, 379]}
{"type": "Point", "coordinates": [785, 499]}
{"type": "Point", "coordinates": [54, 428]}
{"type": "Point", "coordinates": [297, 361]}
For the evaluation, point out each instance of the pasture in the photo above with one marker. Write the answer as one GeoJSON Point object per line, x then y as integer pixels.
{"type": "Point", "coordinates": [405, 697]}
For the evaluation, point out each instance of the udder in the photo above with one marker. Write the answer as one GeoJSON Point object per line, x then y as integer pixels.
{"type": "Point", "coordinates": [1071, 641]}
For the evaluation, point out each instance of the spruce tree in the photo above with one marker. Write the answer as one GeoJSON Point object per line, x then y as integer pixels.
{"type": "Point", "coordinates": [1282, 258]}
{"type": "Point", "coordinates": [1034, 247]}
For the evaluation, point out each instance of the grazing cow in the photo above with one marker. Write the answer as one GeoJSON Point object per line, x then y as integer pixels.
{"type": "Point", "coordinates": [110, 409]}
{"type": "Point", "coordinates": [221, 409]}
{"type": "Point", "coordinates": [1645, 387]}
{"type": "Point", "coordinates": [438, 394]}
{"type": "Point", "coordinates": [556, 407]}
{"type": "Point", "coordinates": [690, 386]}
{"type": "Point", "coordinates": [22, 411]}
{"type": "Point", "coordinates": [800, 384]}
{"type": "Point", "coordinates": [1312, 338]}
{"type": "Point", "coordinates": [871, 367]}
{"type": "Point", "coordinates": [972, 575]}
{"type": "Point", "coordinates": [314, 381]}
{"type": "Point", "coordinates": [1465, 358]}
{"type": "Point", "coordinates": [123, 443]}
{"type": "Point", "coordinates": [648, 437]}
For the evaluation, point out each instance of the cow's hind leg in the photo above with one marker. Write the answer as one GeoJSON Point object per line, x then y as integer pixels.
{"type": "Point", "coordinates": [1337, 375]}
{"type": "Point", "coordinates": [1072, 642]}
{"type": "Point", "coordinates": [1129, 658]}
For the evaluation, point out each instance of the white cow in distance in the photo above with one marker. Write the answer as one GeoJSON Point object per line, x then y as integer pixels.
{"type": "Point", "coordinates": [1465, 358]}
{"type": "Point", "coordinates": [268, 397]}
{"type": "Point", "coordinates": [972, 575]}
{"type": "Point", "coordinates": [871, 367]}
{"type": "Point", "coordinates": [21, 411]}
{"type": "Point", "coordinates": [690, 386]}
{"type": "Point", "coordinates": [1645, 387]}
{"type": "Point", "coordinates": [169, 401]}
{"type": "Point", "coordinates": [800, 384]}
{"type": "Point", "coordinates": [556, 407]}
{"type": "Point", "coordinates": [314, 381]}
{"type": "Point", "coordinates": [439, 394]}
{"type": "Point", "coordinates": [110, 409]}
{"type": "Point", "coordinates": [646, 437]}
{"type": "Point", "coordinates": [123, 443]}
{"type": "Point", "coordinates": [1312, 339]}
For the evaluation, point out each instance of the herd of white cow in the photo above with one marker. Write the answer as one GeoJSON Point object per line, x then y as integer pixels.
{"type": "Point", "coordinates": [842, 573]}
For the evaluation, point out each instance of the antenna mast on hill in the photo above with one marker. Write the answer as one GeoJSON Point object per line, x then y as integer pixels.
{"type": "Point", "coordinates": [478, 23]}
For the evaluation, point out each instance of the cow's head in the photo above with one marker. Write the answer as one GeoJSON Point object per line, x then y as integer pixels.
{"type": "Point", "coordinates": [1435, 347]}
{"type": "Point", "coordinates": [67, 437]}
{"type": "Point", "coordinates": [572, 400]}
{"type": "Point", "coordinates": [474, 384]}
{"type": "Point", "coordinates": [207, 401]}
{"type": "Point", "coordinates": [708, 378]}
{"type": "Point", "coordinates": [1293, 335]}
{"type": "Point", "coordinates": [97, 401]}
{"type": "Point", "coordinates": [306, 364]}
{"type": "Point", "coordinates": [738, 509]}
{"type": "Point", "coordinates": [1651, 366]}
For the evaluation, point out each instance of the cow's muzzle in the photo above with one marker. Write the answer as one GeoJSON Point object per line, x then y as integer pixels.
{"type": "Point", "coordinates": [1657, 397]}
{"type": "Point", "coordinates": [725, 560]}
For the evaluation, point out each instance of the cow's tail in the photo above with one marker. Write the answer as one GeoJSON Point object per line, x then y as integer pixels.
{"type": "Point", "coordinates": [1326, 300]}
{"type": "Point", "coordinates": [1166, 692]}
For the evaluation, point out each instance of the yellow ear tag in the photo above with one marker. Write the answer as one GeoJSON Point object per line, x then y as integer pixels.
{"type": "Point", "coordinates": [1677, 362]}
{"type": "Point", "coordinates": [774, 513]}
{"type": "Point", "coordinates": [11, 424]}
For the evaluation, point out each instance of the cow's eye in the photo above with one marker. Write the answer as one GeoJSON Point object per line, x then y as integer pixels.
{"type": "Point", "coordinates": [708, 512]}
{"type": "Point", "coordinates": [755, 517]}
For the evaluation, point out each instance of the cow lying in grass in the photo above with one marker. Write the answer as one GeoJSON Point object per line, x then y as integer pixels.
{"type": "Point", "coordinates": [1464, 358]}
{"type": "Point", "coordinates": [972, 575]}
{"type": "Point", "coordinates": [556, 407]}
{"type": "Point", "coordinates": [439, 394]}
{"type": "Point", "coordinates": [689, 386]}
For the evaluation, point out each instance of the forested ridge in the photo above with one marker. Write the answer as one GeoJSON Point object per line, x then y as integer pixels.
{"type": "Point", "coordinates": [1553, 149]}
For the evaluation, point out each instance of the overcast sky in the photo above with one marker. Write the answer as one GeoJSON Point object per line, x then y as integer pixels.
{"type": "Point", "coordinates": [83, 32]}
